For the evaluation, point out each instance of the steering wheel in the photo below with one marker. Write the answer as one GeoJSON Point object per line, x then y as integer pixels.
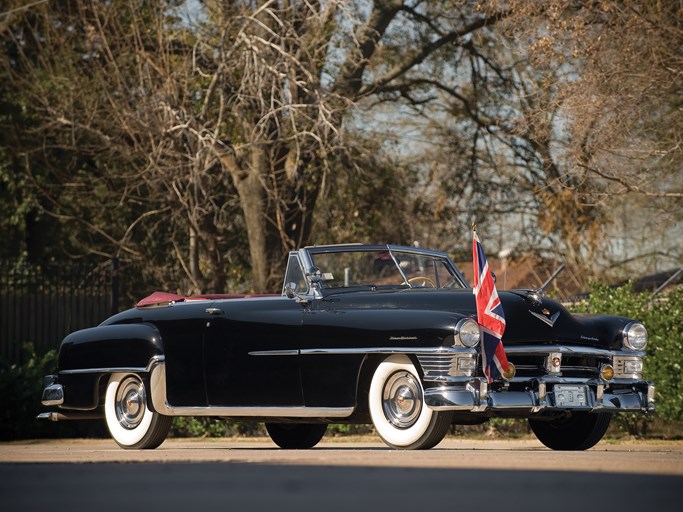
{"type": "Point", "coordinates": [422, 281]}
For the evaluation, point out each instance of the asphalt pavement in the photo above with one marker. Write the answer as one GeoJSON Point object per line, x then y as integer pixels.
{"type": "Point", "coordinates": [217, 486]}
{"type": "Point", "coordinates": [459, 475]}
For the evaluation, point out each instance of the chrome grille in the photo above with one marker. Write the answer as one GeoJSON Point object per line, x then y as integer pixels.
{"type": "Point", "coordinates": [536, 365]}
{"type": "Point", "coordinates": [438, 367]}
{"type": "Point", "coordinates": [623, 366]}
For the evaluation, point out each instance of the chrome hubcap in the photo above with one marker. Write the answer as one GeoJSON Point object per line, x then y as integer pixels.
{"type": "Point", "coordinates": [130, 402]}
{"type": "Point", "coordinates": [402, 399]}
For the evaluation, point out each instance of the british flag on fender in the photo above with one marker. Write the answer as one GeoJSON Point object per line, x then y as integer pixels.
{"type": "Point", "coordinates": [489, 315]}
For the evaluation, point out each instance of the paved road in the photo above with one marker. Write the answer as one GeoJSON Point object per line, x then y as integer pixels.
{"type": "Point", "coordinates": [237, 475]}
{"type": "Point", "coordinates": [633, 457]}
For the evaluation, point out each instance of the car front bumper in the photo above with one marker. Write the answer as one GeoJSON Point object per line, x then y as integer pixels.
{"type": "Point", "coordinates": [474, 395]}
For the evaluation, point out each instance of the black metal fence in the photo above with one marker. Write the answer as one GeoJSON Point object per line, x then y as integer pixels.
{"type": "Point", "coordinates": [41, 305]}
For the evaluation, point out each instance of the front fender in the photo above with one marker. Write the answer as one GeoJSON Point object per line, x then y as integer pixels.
{"type": "Point", "coordinates": [110, 346]}
{"type": "Point", "coordinates": [86, 358]}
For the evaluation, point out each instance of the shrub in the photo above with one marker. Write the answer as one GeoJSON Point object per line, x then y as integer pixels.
{"type": "Point", "coordinates": [21, 387]}
{"type": "Point", "coordinates": [214, 427]}
{"type": "Point", "coordinates": [662, 318]}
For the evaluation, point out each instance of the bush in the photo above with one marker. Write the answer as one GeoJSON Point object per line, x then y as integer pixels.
{"type": "Point", "coordinates": [215, 427]}
{"type": "Point", "coordinates": [662, 318]}
{"type": "Point", "coordinates": [347, 429]}
{"type": "Point", "coordinates": [21, 388]}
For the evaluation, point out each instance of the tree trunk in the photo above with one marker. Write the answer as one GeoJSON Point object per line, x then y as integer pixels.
{"type": "Point", "coordinates": [195, 273]}
{"type": "Point", "coordinates": [249, 185]}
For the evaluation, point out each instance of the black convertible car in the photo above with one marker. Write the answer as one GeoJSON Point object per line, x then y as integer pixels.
{"type": "Point", "coordinates": [360, 334]}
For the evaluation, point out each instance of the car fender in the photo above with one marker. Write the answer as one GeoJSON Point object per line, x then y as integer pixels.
{"type": "Point", "coordinates": [110, 347]}
{"type": "Point", "coordinates": [87, 358]}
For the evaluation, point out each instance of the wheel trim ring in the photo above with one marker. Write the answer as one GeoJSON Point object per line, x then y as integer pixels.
{"type": "Point", "coordinates": [402, 399]}
{"type": "Point", "coordinates": [130, 403]}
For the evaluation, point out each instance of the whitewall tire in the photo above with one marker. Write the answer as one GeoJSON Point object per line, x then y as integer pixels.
{"type": "Point", "coordinates": [397, 408]}
{"type": "Point", "coordinates": [130, 421]}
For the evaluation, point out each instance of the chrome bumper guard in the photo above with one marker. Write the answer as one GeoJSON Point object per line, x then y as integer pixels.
{"type": "Point", "coordinates": [474, 395]}
{"type": "Point", "coordinates": [53, 394]}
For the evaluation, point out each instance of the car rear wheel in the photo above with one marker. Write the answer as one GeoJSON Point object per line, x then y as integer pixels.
{"type": "Point", "coordinates": [296, 436]}
{"type": "Point", "coordinates": [577, 431]}
{"type": "Point", "coordinates": [398, 411]}
{"type": "Point", "coordinates": [130, 422]}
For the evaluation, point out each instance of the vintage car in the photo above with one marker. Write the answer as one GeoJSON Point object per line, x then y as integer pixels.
{"type": "Point", "coordinates": [359, 334]}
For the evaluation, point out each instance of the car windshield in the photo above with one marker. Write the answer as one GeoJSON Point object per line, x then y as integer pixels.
{"type": "Point", "coordinates": [384, 269]}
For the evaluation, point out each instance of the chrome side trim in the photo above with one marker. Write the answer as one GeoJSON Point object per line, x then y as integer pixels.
{"type": "Point", "coordinates": [122, 369]}
{"type": "Point", "coordinates": [69, 415]}
{"type": "Point", "coordinates": [388, 350]}
{"type": "Point", "coordinates": [116, 369]}
{"type": "Point", "coordinates": [161, 405]}
{"type": "Point", "coordinates": [274, 353]}
{"type": "Point", "coordinates": [513, 350]}
{"type": "Point", "coordinates": [259, 412]}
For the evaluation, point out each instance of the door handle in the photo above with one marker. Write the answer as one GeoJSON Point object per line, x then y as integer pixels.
{"type": "Point", "coordinates": [214, 311]}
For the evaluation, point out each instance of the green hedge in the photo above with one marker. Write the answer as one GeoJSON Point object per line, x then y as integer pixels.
{"type": "Point", "coordinates": [21, 388]}
{"type": "Point", "coordinates": [663, 318]}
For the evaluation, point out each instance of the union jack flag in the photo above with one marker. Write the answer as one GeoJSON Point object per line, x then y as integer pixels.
{"type": "Point", "coordinates": [489, 315]}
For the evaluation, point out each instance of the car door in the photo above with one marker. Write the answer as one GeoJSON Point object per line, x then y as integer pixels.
{"type": "Point", "coordinates": [342, 330]}
{"type": "Point", "coordinates": [333, 345]}
{"type": "Point", "coordinates": [251, 355]}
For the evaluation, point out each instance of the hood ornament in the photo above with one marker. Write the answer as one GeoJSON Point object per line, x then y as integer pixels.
{"type": "Point", "coordinates": [535, 297]}
{"type": "Point", "coordinates": [550, 319]}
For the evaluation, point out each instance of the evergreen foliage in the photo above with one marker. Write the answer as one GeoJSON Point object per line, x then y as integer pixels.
{"type": "Point", "coordinates": [663, 318]}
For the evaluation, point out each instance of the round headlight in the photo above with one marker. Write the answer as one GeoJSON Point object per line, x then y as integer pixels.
{"type": "Point", "coordinates": [635, 336]}
{"type": "Point", "coordinates": [467, 332]}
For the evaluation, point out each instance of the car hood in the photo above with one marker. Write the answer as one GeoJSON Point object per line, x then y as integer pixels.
{"type": "Point", "coordinates": [529, 318]}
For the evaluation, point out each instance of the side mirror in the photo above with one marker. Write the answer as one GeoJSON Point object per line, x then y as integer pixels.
{"type": "Point", "coordinates": [314, 276]}
{"type": "Point", "coordinates": [291, 293]}
{"type": "Point", "coordinates": [290, 290]}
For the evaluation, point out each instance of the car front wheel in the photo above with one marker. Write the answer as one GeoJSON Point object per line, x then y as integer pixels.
{"type": "Point", "coordinates": [296, 436]}
{"type": "Point", "coordinates": [576, 431]}
{"type": "Point", "coordinates": [398, 411]}
{"type": "Point", "coordinates": [130, 422]}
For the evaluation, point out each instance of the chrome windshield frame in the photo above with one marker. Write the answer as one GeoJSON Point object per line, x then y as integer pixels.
{"type": "Point", "coordinates": [306, 255]}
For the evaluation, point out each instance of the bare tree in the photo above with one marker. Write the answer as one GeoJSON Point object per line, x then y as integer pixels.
{"type": "Point", "coordinates": [111, 89]}
{"type": "Point", "coordinates": [560, 126]}
{"type": "Point", "coordinates": [199, 141]}
{"type": "Point", "coordinates": [177, 119]}
{"type": "Point", "coordinates": [289, 75]}
{"type": "Point", "coordinates": [617, 88]}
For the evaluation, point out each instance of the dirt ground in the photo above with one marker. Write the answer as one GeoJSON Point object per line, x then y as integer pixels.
{"type": "Point", "coordinates": [644, 457]}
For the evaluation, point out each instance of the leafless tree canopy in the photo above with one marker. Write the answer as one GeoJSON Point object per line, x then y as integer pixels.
{"type": "Point", "coordinates": [202, 141]}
